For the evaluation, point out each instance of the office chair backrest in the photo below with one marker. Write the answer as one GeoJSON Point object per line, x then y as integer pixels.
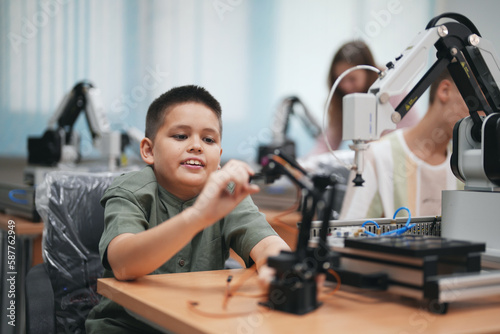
{"type": "Point", "coordinates": [69, 204]}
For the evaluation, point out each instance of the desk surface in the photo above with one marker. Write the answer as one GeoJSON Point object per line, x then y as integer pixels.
{"type": "Point", "coordinates": [163, 300]}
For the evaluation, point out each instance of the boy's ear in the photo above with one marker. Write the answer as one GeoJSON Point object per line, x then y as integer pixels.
{"type": "Point", "coordinates": [444, 90]}
{"type": "Point", "coordinates": [147, 151]}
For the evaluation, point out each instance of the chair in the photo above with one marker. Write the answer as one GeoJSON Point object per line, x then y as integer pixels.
{"type": "Point", "coordinates": [61, 291]}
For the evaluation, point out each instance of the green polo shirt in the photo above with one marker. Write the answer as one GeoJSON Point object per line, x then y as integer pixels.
{"type": "Point", "coordinates": [136, 202]}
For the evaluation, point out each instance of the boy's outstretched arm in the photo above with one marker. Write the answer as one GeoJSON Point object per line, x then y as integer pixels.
{"type": "Point", "coordinates": [134, 255]}
{"type": "Point", "coordinates": [269, 246]}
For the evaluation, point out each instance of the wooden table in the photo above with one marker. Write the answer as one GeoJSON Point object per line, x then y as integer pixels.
{"type": "Point", "coordinates": [163, 300]}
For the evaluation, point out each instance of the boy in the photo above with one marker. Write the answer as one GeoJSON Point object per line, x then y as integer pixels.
{"type": "Point", "coordinates": [182, 212]}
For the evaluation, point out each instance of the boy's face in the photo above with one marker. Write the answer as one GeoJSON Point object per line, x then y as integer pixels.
{"type": "Point", "coordinates": [186, 149]}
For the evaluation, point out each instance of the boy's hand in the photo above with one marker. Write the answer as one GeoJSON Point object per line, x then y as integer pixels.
{"type": "Point", "coordinates": [224, 190]}
{"type": "Point", "coordinates": [266, 275]}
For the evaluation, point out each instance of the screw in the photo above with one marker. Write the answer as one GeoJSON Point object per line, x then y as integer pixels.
{"type": "Point", "coordinates": [474, 39]}
{"type": "Point", "coordinates": [384, 98]}
{"type": "Point", "coordinates": [396, 117]}
{"type": "Point", "coordinates": [442, 31]}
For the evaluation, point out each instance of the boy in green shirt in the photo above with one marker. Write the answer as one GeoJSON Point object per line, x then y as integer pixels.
{"type": "Point", "coordinates": [183, 211]}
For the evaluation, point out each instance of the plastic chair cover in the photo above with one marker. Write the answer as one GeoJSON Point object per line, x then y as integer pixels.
{"type": "Point", "coordinates": [69, 205]}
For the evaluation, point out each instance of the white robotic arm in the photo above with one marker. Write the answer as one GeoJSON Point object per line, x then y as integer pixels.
{"type": "Point", "coordinates": [474, 66]}
{"type": "Point", "coordinates": [61, 144]}
{"type": "Point", "coordinates": [367, 115]}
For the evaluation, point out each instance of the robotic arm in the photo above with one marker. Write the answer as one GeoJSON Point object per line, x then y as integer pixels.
{"type": "Point", "coordinates": [83, 97]}
{"type": "Point", "coordinates": [296, 272]}
{"type": "Point", "coordinates": [291, 105]}
{"type": "Point", "coordinates": [60, 143]}
{"type": "Point", "coordinates": [281, 118]}
{"type": "Point", "coordinates": [474, 67]}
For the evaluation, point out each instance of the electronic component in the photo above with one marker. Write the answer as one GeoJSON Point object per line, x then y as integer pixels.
{"type": "Point", "coordinates": [425, 225]}
{"type": "Point", "coordinates": [422, 267]}
{"type": "Point", "coordinates": [18, 200]}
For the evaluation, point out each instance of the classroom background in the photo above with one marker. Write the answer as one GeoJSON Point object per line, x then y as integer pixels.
{"type": "Point", "coordinates": [250, 54]}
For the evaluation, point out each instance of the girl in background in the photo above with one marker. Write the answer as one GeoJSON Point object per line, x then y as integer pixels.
{"type": "Point", "coordinates": [349, 55]}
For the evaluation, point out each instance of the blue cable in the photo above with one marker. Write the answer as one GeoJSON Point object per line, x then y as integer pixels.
{"type": "Point", "coordinates": [403, 208]}
{"type": "Point", "coordinates": [368, 232]}
{"type": "Point", "coordinates": [398, 231]}
{"type": "Point", "coordinates": [403, 229]}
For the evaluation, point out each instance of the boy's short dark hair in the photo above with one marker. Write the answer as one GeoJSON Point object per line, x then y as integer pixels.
{"type": "Point", "coordinates": [179, 95]}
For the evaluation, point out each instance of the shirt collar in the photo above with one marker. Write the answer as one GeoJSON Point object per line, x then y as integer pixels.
{"type": "Point", "coordinates": [173, 200]}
